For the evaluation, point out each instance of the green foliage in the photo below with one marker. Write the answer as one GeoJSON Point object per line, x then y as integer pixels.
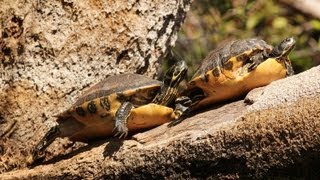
{"type": "Point", "coordinates": [211, 22]}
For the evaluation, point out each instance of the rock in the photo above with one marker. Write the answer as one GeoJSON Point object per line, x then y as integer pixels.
{"type": "Point", "coordinates": [253, 95]}
{"type": "Point", "coordinates": [288, 90]}
{"type": "Point", "coordinates": [234, 140]}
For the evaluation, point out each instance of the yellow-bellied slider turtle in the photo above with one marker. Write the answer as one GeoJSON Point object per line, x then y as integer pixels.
{"type": "Point", "coordinates": [233, 69]}
{"type": "Point", "coordinates": [126, 102]}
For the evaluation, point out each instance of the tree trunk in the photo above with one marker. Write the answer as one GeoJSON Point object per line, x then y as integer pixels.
{"type": "Point", "coordinates": [52, 50]}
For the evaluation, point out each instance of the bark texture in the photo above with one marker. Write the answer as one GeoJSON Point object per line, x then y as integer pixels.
{"type": "Point", "coordinates": [50, 51]}
{"type": "Point", "coordinates": [276, 136]}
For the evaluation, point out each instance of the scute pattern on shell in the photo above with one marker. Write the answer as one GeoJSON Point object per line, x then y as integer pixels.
{"type": "Point", "coordinates": [115, 84]}
{"type": "Point", "coordinates": [225, 51]}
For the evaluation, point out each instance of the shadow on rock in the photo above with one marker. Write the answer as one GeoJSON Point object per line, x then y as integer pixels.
{"type": "Point", "coordinates": [201, 110]}
{"type": "Point", "coordinates": [112, 147]}
{"type": "Point", "coordinates": [73, 153]}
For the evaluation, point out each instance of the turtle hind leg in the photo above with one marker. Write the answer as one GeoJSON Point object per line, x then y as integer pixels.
{"type": "Point", "coordinates": [50, 136]}
{"type": "Point", "coordinates": [256, 59]}
{"type": "Point", "coordinates": [121, 119]}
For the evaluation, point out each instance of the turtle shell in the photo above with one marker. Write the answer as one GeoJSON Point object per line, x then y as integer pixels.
{"type": "Point", "coordinates": [92, 115]}
{"type": "Point", "coordinates": [230, 56]}
{"type": "Point", "coordinates": [125, 85]}
{"type": "Point", "coordinates": [224, 74]}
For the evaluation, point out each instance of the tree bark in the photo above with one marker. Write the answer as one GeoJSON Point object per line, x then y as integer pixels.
{"type": "Point", "coordinates": [51, 51]}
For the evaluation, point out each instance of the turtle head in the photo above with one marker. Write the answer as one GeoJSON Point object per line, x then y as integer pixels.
{"type": "Point", "coordinates": [171, 80]}
{"type": "Point", "coordinates": [284, 48]}
{"type": "Point", "coordinates": [175, 74]}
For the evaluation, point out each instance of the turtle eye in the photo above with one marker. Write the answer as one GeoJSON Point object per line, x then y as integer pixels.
{"type": "Point", "coordinates": [180, 69]}
{"type": "Point", "coordinates": [176, 72]}
{"type": "Point", "coordinates": [287, 43]}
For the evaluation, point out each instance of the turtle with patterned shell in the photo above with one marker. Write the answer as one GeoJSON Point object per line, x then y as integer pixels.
{"type": "Point", "coordinates": [233, 69]}
{"type": "Point", "coordinates": [118, 105]}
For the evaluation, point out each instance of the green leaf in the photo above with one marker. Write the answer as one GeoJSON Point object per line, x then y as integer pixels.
{"type": "Point", "coordinates": [280, 23]}
{"type": "Point", "coordinates": [315, 24]}
{"type": "Point", "coordinates": [252, 22]}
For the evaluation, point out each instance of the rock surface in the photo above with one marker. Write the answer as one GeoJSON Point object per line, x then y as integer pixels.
{"type": "Point", "coordinates": [50, 51]}
{"type": "Point", "coordinates": [277, 139]}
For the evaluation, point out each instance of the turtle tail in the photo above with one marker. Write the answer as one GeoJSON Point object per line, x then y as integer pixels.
{"type": "Point", "coordinates": [50, 136]}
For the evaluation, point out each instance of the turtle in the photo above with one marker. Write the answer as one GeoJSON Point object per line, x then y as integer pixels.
{"type": "Point", "coordinates": [115, 106]}
{"type": "Point", "coordinates": [233, 69]}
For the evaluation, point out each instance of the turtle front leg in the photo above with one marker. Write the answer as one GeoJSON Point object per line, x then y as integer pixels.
{"type": "Point", "coordinates": [256, 60]}
{"type": "Point", "coordinates": [50, 136]}
{"type": "Point", "coordinates": [182, 109]}
{"type": "Point", "coordinates": [183, 104]}
{"type": "Point", "coordinates": [121, 119]}
{"type": "Point", "coordinates": [289, 68]}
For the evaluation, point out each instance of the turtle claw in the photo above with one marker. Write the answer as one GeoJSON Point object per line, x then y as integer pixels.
{"type": "Point", "coordinates": [122, 131]}
{"type": "Point", "coordinates": [123, 135]}
{"type": "Point", "coordinates": [175, 122]}
{"type": "Point", "coordinates": [252, 67]}
{"type": "Point", "coordinates": [116, 134]}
